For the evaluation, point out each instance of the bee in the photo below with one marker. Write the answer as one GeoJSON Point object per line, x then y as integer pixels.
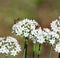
{"type": "Point", "coordinates": [16, 20]}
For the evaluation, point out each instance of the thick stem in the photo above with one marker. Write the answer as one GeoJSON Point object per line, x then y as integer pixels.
{"type": "Point", "coordinates": [33, 50]}
{"type": "Point", "coordinates": [25, 48]}
{"type": "Point", "coordinates": [39, 50]}
{"type": "Point", "coordinates": [50, 54]}
{"type": "Point", "coordinates": [59, 55]}
{"type": "Point", "coordinates": [6, 56]}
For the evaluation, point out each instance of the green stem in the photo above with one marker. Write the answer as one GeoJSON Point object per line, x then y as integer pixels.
{"type": "Point", "coordinates": [6, 56]}
{"type": "Point", "coordinates": [33, 50]}
{"type": "Point", "coordinates": [50, 54]}
{"type": "Point", "coordinates": [25, 48]}
{"type": "Point", "coordinates": [39, 50]}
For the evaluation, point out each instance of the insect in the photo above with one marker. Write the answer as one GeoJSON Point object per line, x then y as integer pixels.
{"type": "Point", "coordinates": [16, 20]}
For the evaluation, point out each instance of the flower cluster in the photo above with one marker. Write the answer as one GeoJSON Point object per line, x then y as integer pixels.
{"type": "Point", "coordinates": [37, 36]}
{"type": "Point", "coordinates": [27, 28]}
{"type": "Point", "coordinates": [45, 35]}
{"type": "Point", "coordinates": [51, 37]}
{"type": "Point", "coordinates": [9, 46]}
{"type": "Point", "coordinates": [24, 27]}
{"type": "Point", "coordinates": [55, 25]}
{"type": "Point", "coordinates": [57, 47]}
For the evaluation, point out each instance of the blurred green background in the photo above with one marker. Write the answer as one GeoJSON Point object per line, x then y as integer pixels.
{"type": "Point", "coordinates": [43, 11]}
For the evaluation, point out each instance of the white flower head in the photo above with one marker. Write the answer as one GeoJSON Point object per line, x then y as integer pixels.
{"type": "Point", "coordinates": [50, 36]}
{"type": "Point", "coordinates": [9, 45]}
{"type": "Point", "coordinates": [55, 25]}
{"type": "Point", "coordinates": [46, 32]}
{"type": "Point", "coordinates": [24, 27]}
{"type": "Point", "coordinates": [57, 47]}
{"type": "Point", "coordinates": [36, 36]}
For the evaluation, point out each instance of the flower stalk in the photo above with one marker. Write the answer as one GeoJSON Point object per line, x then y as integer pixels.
{"type": "Point", "coordinates": [25, 48]}
{"type": "Point", "coordinates": [6, 56]}
{"type": "Point", "coordinates": [39, 50]}
{"type": "Point", "coordinates": [59, 55]}
{"type": "Point", "coordinates": [33, 50]}
{"type": "Point", "coordinates": [50, 54]}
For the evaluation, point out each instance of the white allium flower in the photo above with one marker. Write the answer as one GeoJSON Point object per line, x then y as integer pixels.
{"type": "Point", "coordinates": [2, 39]}
{"type": "Point", "coordinates": [24, 27]}
{"type": "Point", "coordinates": [57, 48]}
{"type": "Point", "coordinates": [36, 36]}
{"type": "Point", "coordinates": [50, 36]}
{"type": "Point", "coordinates": [13, 52]}
{"type": "Point", "coordinates": [4, 49]}
{"type": "Point", "coordinates": [46, 32]}
{"type": "Point", "coordinates": [52, 41]}
{"type": "Point", "coordinates": [9, 46]}
{"type": "Point", "coordinates": [55, 25]}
